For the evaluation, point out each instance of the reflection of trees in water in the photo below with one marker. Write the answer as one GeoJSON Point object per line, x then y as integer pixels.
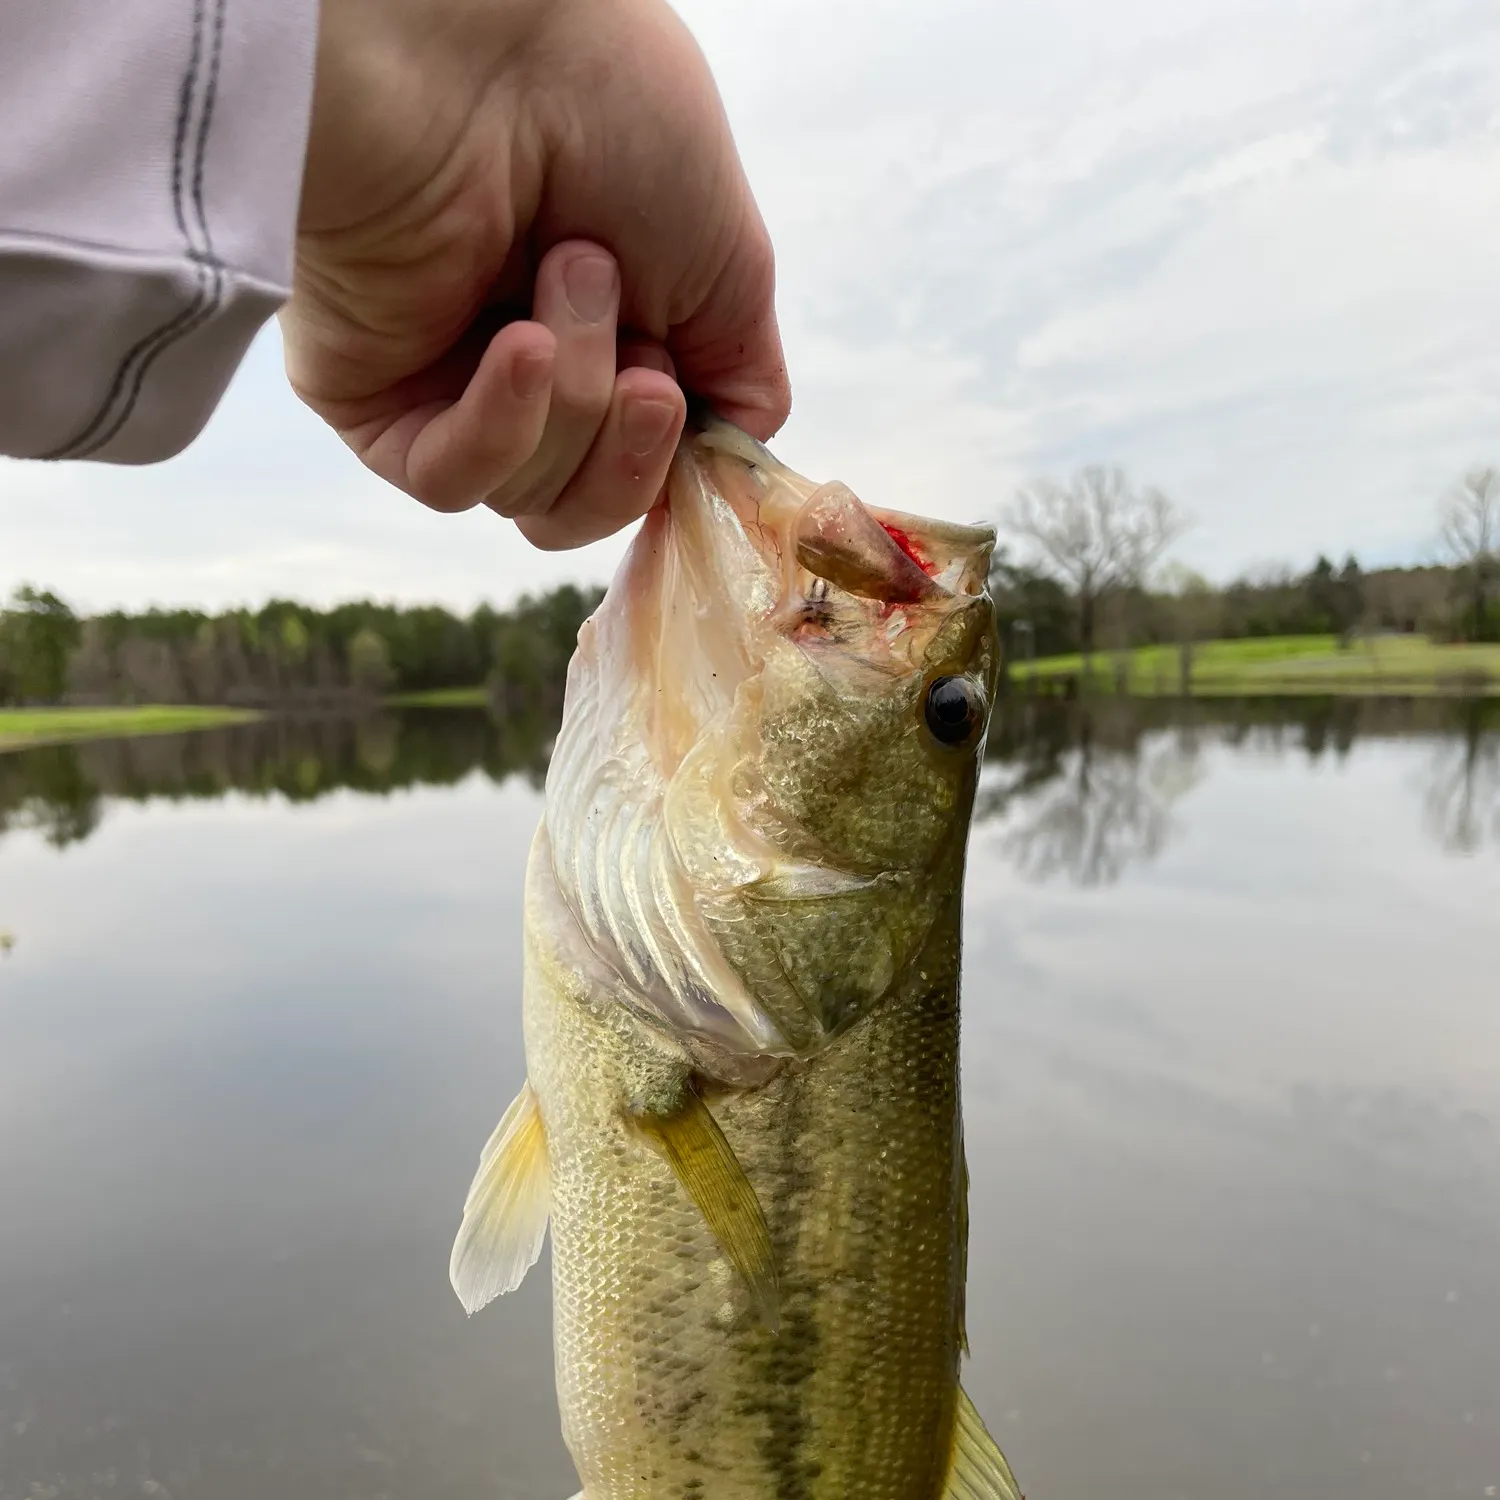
{"type": "Point", "coordinates": [60, 790]}
{"type": "Point", "coordinates": [1089, 792]}
{"type": "Point", "coordinates": [1087, 788]}
{"type": "Point", "coordinates": [1083, 789]}
{"type": "Point", "coordinates": [1462, 800]}
{"type": "Point", "coordinates": [47, 790]}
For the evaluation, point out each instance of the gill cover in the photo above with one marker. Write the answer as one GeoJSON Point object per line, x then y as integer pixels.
{"type": "Point", "coordinates": [748, 811]}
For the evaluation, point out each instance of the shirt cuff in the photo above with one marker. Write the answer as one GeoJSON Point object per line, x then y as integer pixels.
{"type": "Point", "coordinates": [148, 211]}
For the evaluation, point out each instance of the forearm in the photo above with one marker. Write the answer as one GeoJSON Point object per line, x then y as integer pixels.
{"type": "Point", "coordinates": [148, 207]}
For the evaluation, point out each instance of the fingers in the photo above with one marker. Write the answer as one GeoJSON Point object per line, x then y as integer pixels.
{"type": "Point", "coordinates": [577, 298]}
{"type": "Point", "coordinates": [540, 427]}
{"type": "Point", "coordinates": [460, 453]}
{"type": "Point", "coordinates": [625, 469]}
{"type": "Point", "coordinates": [514, 431]}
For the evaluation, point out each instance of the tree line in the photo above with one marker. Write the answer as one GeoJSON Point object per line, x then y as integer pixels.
{"type": "Point", "coordinates": [286, 653]}
{"type": "Point", "coordinates": [1082, 569]}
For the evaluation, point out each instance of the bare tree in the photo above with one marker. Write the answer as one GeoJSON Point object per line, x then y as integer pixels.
{"type": "Point", "coordinates": [1471, 537]}
{"type": "Point", "coordinates": [1095, 535]}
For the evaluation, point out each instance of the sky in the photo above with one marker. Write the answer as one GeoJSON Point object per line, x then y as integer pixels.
{"type": "Point", "coordinates": [1245, 248]}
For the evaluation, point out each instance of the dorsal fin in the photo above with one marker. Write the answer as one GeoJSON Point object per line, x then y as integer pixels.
{"type": "Point", "coordinates": [505, 1215]}
{"type": "Point", "coordinates": [977, 1469]}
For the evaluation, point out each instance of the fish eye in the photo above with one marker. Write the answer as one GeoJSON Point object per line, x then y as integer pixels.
{"type": "Point", "coordinates": [953, 710]}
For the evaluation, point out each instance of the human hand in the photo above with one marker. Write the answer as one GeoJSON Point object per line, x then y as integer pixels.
{"type": "Point", "coordinates": [521, 218]}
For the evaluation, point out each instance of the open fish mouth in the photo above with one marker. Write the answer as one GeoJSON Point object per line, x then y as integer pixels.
{"type": "Point", "coordinates": [885, 556]}
{"type": "Point", "coordinates": [744, 755]}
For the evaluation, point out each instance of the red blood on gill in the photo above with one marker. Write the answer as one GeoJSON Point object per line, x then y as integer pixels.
{"type": "Point", "coordinates": [903, 540]}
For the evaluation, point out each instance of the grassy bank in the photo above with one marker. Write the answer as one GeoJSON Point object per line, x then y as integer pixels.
{"type": "Point", "coordinates": [20, 727]}
{"type": "Point", "coordinates": [469, 697]}
{"type": "Point", "coordinates": [1287, 665]}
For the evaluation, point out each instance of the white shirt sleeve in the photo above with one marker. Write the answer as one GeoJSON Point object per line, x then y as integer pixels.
{"type": "Point", "coordinates": [150, 165]}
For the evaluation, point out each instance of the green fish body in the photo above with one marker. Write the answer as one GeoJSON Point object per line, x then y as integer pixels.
{"type": "Point", "coordinates": [743, 924]}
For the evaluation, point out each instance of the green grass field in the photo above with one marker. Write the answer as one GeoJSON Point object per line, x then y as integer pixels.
{"type": "Point", "coordinates": [20, 727]}
{"type": "Point", "coordinates": [469, 697]}
{"type": "Point", "coordinates": [1405, 665]}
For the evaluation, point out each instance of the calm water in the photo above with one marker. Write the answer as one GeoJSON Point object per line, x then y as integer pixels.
{"type": "Point", "coordinates": [1233, 1109]}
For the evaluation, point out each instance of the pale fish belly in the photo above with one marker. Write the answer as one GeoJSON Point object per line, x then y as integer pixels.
{"type": "Point", "coordinates": [669, 1382]}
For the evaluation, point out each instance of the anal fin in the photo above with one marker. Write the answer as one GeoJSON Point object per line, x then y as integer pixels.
{"type": "Point", "coordinates": [977, 1470]}
{"type": "Point", "coordinates": [505, 1215]}
{"type": "Point", "coordinates": [711, 1175]}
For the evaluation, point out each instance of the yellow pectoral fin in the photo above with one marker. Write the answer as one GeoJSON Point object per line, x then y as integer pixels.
{"type": "Point", "coordinates": [706, 1166]}
{"type": "Point", "coordinates": [977, 1469]}
{"type": "Point", "coordinates": [505, 1216]}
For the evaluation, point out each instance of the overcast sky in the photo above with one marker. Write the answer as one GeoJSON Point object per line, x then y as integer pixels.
{"type": "Point", "coordinates": [1250, 249]}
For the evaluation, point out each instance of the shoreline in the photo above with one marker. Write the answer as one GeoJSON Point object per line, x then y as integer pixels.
{"type": "Point", "coordinates": [31, 728]}
{"type": "Point", "coordinates": [1289, 666]}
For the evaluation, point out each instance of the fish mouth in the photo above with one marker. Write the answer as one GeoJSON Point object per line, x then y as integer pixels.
{"type": "Point", "coordinates": [746, 555]}
{"type": "Point", "coordinates": [659, 828]}
{"type": "Point", "coordinates": [885, 556]}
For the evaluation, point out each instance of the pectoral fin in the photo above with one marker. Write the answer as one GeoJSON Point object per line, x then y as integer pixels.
{"type": "Point", "coordinates": [705, 1164]}
{"type": "Point", "coordinates": [505, 1216]}
{"type": "Point", "coordinates": [977, 1470]}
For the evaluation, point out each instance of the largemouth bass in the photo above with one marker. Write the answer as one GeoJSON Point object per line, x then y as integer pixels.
{"type": "Point", "coordinates": [741, 1004]}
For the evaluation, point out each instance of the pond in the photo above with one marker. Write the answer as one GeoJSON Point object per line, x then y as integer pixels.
{"type": "Point", "coordinates": [1232, 1070]}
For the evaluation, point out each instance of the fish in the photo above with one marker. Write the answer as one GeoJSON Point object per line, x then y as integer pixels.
{"type": "Point", "coordinates": [742, 1121]}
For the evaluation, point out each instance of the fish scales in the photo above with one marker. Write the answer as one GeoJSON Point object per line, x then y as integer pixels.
{"type": "Point", "coordinates": [666, 1376]}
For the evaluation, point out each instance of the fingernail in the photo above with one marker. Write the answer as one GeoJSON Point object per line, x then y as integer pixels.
{"type": "Point", "coordinates": [529, 373]}
{"type": "Point", "coordinates": [590, 284]}
{"type": "Point", "coordinates": [644, 425]}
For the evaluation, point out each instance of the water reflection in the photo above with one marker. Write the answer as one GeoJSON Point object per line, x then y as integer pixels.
{"type": "Point", "coordinates": [1087, 794]}
{"type": "Point", "coordinates": [61, 790]}
{"type": "Point", "coordinates": [1083, 791]}
{"type": "Point", "coordinates": [1463, 787]}
{"type": "Point", "coordinates": [1233, 1122]}
{"type": "Point", "coordinates": [1077, 791]}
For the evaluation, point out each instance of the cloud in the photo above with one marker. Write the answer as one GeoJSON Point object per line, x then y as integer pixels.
{"type": "Point", "coordinates": [1240, 249]}
{"type": "Point", "coordinates": [1245, 249]}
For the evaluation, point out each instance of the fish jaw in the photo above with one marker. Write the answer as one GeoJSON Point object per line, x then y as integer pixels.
{"type": "Point", "coordinates": [743, 765]}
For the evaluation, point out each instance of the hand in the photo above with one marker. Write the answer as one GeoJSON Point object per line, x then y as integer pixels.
{"type": "Point", "coordinates": [520, 220]}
